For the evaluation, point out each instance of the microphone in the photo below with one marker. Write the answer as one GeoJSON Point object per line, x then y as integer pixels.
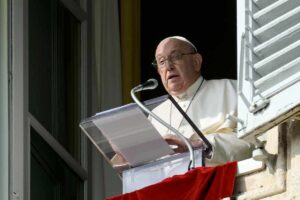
{"type": "Point", "coordinates": [148, 85]}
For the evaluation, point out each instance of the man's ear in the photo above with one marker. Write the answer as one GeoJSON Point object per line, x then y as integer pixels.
{"type": "Point", "coordinates": [198, 62]}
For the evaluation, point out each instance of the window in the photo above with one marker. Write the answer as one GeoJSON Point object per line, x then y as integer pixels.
{"type": "Point", "coordinates": [55, 101]}
{"type": "Point", "coordinates": [54, 71]}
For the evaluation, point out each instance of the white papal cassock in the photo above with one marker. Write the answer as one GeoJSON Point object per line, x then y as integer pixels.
{"type": "Point", "coordinates": [207, 103]}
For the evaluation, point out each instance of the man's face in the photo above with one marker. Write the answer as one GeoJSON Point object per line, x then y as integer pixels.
{"type": "Point", "coordinates": [178, 66]}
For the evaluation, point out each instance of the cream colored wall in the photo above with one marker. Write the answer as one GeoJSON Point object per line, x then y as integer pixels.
{"type": "Point", "coordinates": [284, 183]}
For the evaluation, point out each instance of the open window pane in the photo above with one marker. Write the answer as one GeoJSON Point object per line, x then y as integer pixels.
{"type": "Point", "coordinates": [50, 177]}
{"type": "Point", "coordinates": [54, 65]}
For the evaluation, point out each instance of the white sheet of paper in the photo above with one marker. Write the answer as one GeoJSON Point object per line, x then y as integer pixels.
{"type": "Point", "coordinates": [133, 135]}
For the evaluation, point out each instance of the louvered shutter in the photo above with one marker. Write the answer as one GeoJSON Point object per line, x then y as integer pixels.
{"type": "Point", "coordinates": [268, 64]}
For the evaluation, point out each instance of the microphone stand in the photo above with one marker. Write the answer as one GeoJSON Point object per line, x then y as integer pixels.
{"type": "Point", "coordinates": [184, 139]}
{"type": "Point", "coordinates": [208, 148]}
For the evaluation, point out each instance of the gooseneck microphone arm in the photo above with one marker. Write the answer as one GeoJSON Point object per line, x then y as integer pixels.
{"type": "Point", "coordinates": [150, 85]}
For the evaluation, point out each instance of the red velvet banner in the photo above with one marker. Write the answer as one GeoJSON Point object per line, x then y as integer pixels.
{"type": "Point", "coordinates": [204, 183]}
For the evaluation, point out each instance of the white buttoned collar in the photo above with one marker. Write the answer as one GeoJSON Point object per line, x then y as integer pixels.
{"type": "Point", "coordinates": [190, 92]}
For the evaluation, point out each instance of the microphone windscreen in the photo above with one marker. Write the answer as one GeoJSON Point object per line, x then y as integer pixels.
{"type": "Point", "coordinates": [150, 84]}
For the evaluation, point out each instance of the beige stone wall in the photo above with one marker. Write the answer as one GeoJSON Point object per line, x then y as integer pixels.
{"type": "Point", "coordinates": [284, 181]}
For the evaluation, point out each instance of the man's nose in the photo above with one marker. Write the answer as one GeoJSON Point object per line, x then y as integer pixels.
{"type": "Point", "coordinates": [169, 64]}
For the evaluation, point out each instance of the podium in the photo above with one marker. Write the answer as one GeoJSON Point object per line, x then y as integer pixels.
{"type": "Point", "coordinates": [153, 172]}
{"type": "Point", "coordinates": [134, 148]}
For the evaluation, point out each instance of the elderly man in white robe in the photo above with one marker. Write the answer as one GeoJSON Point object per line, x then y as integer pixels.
{"type": "Point", "coordinates": [206, 102]}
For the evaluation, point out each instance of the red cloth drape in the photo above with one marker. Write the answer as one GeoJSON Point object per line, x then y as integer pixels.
{"type": "Point", "coordinates": [201, 183]}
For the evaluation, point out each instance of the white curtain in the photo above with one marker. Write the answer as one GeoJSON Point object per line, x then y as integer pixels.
{"type": "Point", "coordinates": [107, 54]}
{"type": "Point", "coordinates": [107, 88]}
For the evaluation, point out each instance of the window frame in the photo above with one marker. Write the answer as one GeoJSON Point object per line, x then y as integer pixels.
{"type": "Point", "coordinates": [20, 120]}
{"type": "Point", "coordinates": [4, 102]}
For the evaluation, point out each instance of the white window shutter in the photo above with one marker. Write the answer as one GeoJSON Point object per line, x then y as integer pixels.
{"type": "Point", "coordinates": [269, 64]}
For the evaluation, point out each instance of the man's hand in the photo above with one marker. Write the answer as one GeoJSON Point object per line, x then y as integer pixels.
{"type": "Point", "coordinates": [118, 159]}
{"type": "Point", "coordinates": [179, 144]}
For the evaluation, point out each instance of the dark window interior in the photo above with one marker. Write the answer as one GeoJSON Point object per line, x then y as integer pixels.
{"type": "Point", "coordinates": [210, 25]}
